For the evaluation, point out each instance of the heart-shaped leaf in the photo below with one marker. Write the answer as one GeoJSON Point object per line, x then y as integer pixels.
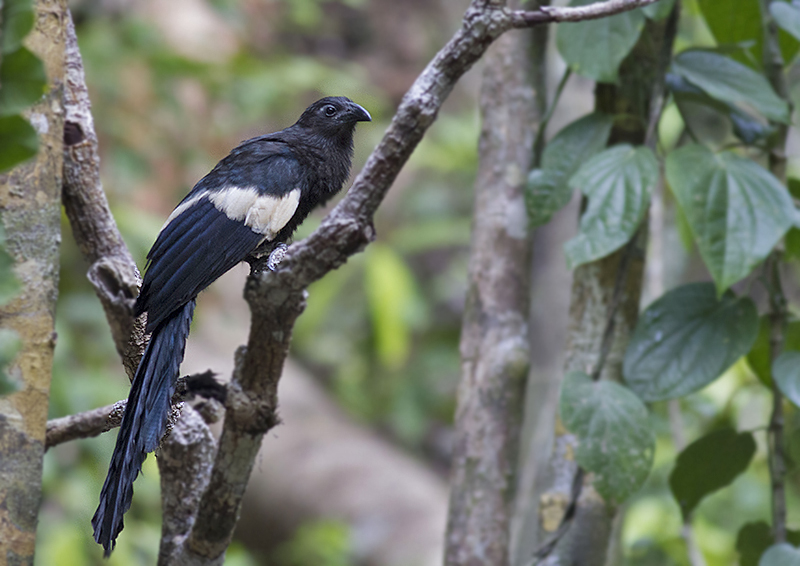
{"type": "Point", "coordinates": [731, 82]}
{"type": "Point", "coordinates": [547, 189]}
{"type": "Point", "coordinates": [595, 48]}
{"type": "Point", "coordinates": [708, 464]}
{"type": "Point", "coordinates": [686, 339]}
{"type": "Point", "coordinates": [618, 182]}
{"type": "Point", "coordinates": [616, 440]}
{"type": "Point", "coordinates": [736, 209]}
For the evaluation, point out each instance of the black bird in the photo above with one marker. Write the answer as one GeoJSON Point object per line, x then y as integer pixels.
{"type": "Point", "coordinates": [259, 193]}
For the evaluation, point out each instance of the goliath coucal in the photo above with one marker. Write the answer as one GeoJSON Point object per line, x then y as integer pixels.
{"type": "Point", "coordinates": [259, 193]}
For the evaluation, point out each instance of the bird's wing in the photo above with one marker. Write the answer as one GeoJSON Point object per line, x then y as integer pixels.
{"type": "Point", "coordinates": [215, 227]}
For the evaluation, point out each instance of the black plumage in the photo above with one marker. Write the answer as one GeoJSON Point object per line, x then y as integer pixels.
{"type": "Point", "coordinates": [260, 192]}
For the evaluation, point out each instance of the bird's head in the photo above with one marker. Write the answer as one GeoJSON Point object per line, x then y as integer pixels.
{"type": "Point", "coordinates": [333, 116]}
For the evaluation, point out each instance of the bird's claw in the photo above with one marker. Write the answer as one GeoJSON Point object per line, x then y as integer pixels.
{"type": "Point", "coordinates": [276, 256]}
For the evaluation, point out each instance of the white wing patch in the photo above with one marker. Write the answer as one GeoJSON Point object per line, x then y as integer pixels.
{"type": "Point", "coordinates": [269, 214]}
{"type": "Point", "coordinates": [182, 207]}
{"type": "Point", "coordinates": [264, 214]}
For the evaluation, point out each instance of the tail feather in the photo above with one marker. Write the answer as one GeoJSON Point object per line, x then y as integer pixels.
{"type": "Point", "coordinates": [144, 422]}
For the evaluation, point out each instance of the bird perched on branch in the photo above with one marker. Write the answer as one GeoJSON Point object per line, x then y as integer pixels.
{"type": "Point", "coordinates": [259, 193]}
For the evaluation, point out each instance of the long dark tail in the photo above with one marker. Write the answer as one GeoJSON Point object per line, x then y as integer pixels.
{"type": "Point", "coordinates": [144, 422]}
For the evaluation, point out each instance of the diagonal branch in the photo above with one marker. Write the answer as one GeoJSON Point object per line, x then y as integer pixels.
{"type": "Point", "coordinates": [276, 299]}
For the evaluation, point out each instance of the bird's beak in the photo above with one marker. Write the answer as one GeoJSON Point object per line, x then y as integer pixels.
{"type": "Point", "coordinates": [359, 113]}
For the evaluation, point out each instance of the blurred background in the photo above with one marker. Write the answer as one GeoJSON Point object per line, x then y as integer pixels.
{"type": "Point", "coordinates": [357, 472]}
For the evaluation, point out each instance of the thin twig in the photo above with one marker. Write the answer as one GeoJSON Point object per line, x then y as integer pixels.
{"type": "Point", "coordinates": [97, 421]}
{"type": "Point", "coordinates": [551, 14]}
{"type": "Point", "coordinates": [773, 67]}
{"type": "Point", "coordinates": [549, 545]}
{"type": "Point", "coordinates": [84, 425]}
{"type": "Point", "coordinates": [778, 317]}
{"type": "Point", "coordinates": [541, 134]}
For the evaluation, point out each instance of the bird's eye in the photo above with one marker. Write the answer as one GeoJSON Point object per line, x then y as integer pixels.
{"type": "Point", "coordinates": [330, 110]}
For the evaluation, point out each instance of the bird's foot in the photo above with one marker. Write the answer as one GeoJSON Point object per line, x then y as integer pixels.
{"type": "Point", "coordinates": [276, 256]}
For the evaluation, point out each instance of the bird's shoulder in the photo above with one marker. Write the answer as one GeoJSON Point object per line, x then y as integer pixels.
{"type": "Point", "coordinates": [265, 163]}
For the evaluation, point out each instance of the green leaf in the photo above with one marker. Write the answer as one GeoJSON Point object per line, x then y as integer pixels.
{"type": "Point", "coordinates": [616, 441]}
{"type": "Point", "coordinates": [731, 82]}
{"type": "Point", "coordinates": [754, 538]}
{"type": "Point", "coordinates": [751, 542]}
{"type": "Point", "coordinates": [792, 244]}
{"type": "Point", "coordinates": [742, 27]}
{"type": "Point", "coordinates": [595, 48]}
{"type": "Point", "coordinates": [547, 190]}
{"type": "Point", "coordinates": [23, 81]}
{"type": "Point", "coordinates": [9, 284]}
{"type": "Point", "coordinates": [708, 464]}
{"type": "Point", "coordinates": [18, 140]}
{"type": "Point", "coordinates": [686, 339]}
{"type": "Point", "coordinates": [759, 358]}
{"type": "Point", "coordinates": [736, 209]}
{"type": "Point", "coordinates": [786, 371]}
{"type": "Point", "coordinates": [780, 555]}
{"type": "Point", "coordinates": [390, 295]}
{"type": "Point", "coordinates": [16, 19]}
{"type": "Point", "coordinates": [659, 10]}
{"type": "Point", "coordinates": [794, 186]}
{"type": "Point", "coordinates": [618, 182]}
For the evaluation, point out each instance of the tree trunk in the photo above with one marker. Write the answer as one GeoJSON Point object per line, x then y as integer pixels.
{"type": "Point", "coordinates": [495, 350]}
{"type": "Point", "coordinates": [30, 201]}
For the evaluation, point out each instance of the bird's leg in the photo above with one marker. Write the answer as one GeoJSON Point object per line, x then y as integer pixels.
{"type": "Point", "coordinates": [276, 256]}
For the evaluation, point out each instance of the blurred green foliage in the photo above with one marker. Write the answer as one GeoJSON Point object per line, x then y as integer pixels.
{"type": "Point", "coordinates": [321, 543]}
{"type": "Point", "coordinates": [22, 82]}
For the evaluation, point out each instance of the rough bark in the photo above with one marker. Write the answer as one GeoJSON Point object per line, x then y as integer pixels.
{"type": "Point", "coordinates": [30, 204]}
{"type": "Point", "coordinates": [494, 346]}
{"type": "Point", "coordinates": [636, 100]}
{"type": "Point", "coordinates": [321, 465]}
{"type": "Point", "coordinates": [112, 271]}
{"type": "Point", "coordinates": [186, 454]}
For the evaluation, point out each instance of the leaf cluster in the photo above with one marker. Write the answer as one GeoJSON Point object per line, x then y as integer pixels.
{"type": "Point", "coordinates": [737, 213]}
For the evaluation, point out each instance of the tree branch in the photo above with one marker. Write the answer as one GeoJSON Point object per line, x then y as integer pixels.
{"type": "Point", "coordinates": [552, 14]}
{"type": "Point", "coordinates": [84, 425]}
{"type": "Point", "coordinates": [112, 271]}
